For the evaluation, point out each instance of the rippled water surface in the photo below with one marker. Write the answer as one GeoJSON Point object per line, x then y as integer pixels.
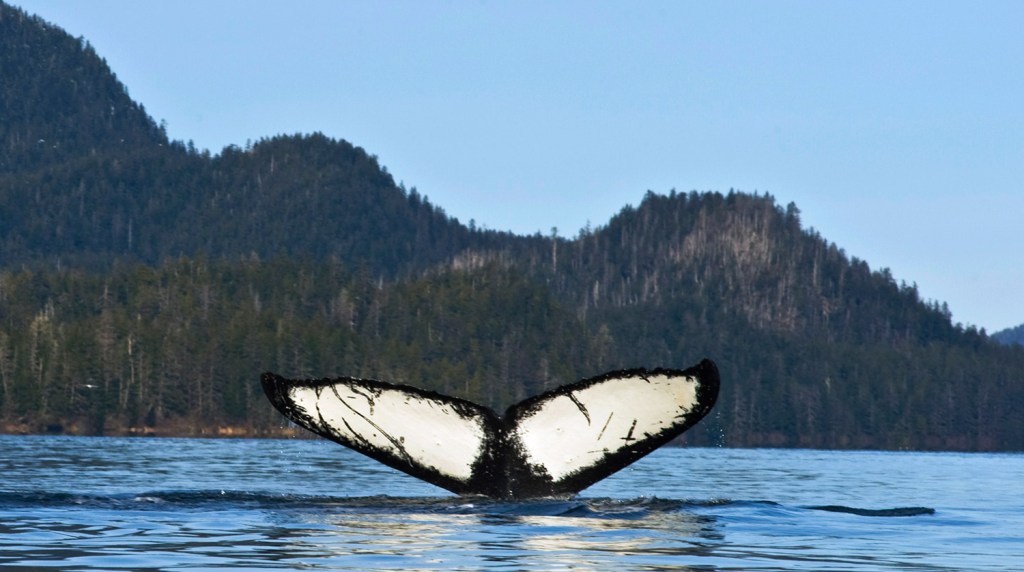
{"type": "Point", "coordinates": [81, 503]}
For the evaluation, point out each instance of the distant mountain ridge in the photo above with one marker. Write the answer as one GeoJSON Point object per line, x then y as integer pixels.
{"type": "Point", "coordinates": [60, 101]}
{"type": "Point", "coordinates": [1010, 336]}
{"type": "Point", "coordinates": [88, 176]}
{"type": "Point", "coordinates": [164, 279]}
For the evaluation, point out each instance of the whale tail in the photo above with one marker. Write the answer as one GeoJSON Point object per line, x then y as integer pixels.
{"type": "Point", "coordinates": [556, 443]}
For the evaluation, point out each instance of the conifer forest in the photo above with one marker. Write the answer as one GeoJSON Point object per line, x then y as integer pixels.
{"type": "Point", "coordinates": [145, 285]}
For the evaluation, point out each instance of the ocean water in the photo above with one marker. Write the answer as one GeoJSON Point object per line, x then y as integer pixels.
{"type": "Point", "coordinates": [85, 503]}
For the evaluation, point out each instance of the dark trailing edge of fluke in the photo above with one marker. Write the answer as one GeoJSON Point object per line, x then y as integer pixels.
{"type": "Point", "coordinates": [553, 444]}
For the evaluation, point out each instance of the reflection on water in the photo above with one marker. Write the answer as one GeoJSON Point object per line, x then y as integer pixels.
{"type": "Point", "coordinates": [249, 530]}
{"type": "Point", "coordinates": [156, 504]}
{"type": "Point", "coordinates": [536, 534]}
{"type": "Point", "coordinates": [677, 535]}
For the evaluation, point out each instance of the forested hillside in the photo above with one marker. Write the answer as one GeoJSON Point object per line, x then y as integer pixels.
{"type": "Point", "coordinates": [87, 178]}
{"type": "Point", "coordinates": [61, 104]}
{"type": "Point", "coordinates": [145, 285]}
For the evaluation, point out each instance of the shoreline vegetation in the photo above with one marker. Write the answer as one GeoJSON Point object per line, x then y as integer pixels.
{"type": "Point", "coordinates": [143, 282]}
{"type": "Point", "coordinates": [176, 429]}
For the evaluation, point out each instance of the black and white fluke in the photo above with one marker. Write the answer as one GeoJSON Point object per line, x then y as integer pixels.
{"type": "Point", "coordinates": [553, 444]}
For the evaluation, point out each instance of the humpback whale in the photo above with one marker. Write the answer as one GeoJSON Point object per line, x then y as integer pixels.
{"type": "Point", "coordinates": [553, 444]}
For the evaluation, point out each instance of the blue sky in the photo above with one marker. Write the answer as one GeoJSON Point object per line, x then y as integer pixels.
{"type": "Point", "coordinates": [896, 127]}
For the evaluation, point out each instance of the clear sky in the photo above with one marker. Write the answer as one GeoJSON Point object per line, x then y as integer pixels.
{"type": "Point", "coordinates": [896, 127]}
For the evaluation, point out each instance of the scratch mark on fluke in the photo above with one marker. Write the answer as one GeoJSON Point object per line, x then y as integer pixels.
{"type": "Point", "coordinates": [541, 446]}
{"type": "Point", "coordinates": [605, 426]}
{"type": "Point", "coordinates": [580, 406]}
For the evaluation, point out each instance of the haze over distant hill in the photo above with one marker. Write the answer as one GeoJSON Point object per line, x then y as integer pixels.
{"type": "Point", "coordinates": [1010, 335]}
{"type": "Point", "coordinates": [145, 285]}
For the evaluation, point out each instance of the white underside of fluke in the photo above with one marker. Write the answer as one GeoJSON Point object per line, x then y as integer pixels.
{"type": "Point", "coordinates": [420, 430]}
{"type": "Point", "coordinates": [572, 432]}
{"type": "Point", "coordinates": [556, 443]}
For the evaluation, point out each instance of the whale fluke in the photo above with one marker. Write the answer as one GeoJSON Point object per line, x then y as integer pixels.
{"type": "Point", "coordinates": [554, 444]}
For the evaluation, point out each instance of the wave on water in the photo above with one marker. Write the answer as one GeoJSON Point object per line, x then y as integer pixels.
{"type": "Point", "coordinates": [897, 511]}
{"type": "Point", "coordinates": [202, 500]}
{"type": "Point", "coordinates": [637, 508]}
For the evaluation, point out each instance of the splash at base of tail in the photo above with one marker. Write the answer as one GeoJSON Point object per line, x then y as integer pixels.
{"type": "Point", "coordinates": [553, 444]}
